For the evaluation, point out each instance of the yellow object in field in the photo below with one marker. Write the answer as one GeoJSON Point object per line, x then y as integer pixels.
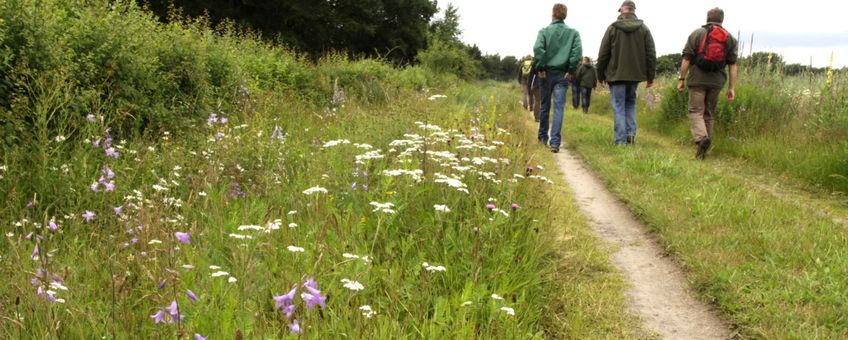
{"type": "Point", "coordinates": [830, 70]}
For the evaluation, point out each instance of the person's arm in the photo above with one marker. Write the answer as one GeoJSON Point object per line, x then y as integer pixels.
{"type": "Point", "coordinates": [604, 55]}
{"type": "Point", "coordinates": [731, 88]}
{"type": "Point", "coordinates": [576, 55]}
{"type": "Point", "coordinates": [681, 78]}
{"type": "Point", "coordinates": [650, 56]}
{"type": "Point", "coordinates": [539, 60]}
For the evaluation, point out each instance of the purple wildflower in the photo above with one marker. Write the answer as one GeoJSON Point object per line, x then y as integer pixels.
{"type": "Point", "coordinates": [52, 225]}
{"type": "Point", "coordinates": [490, 206]}
{"type": "Point", "coordinates": [35, 253]}
{"type": "Point", "coordinates": [95, 187]}
{"type": "Point", "coordinates": [118, 210]}
{"type": "Point", "coordinates": [313, 297]}
{"type": "Point", "coordinates": [353, 186]}
{"type": "Point", "coordinates": [159, 317]}
{"type": "Point", "coordinates": [515, 206]}
{"type": "Point", "coordinates": [30, 204]}
{"type": "Point", "coordinates": [88, 216]}
{"type": "Point", "coordinates": [197, 336]}
{"type": "Point", "coordinates": [223, 120]}
{"type": "Point", "coordinates": [182, 237]}
{"type": "Point", "coordinates": [285, 299]}
{"type": "Point", "coordinates": [219, 136]}
{"type": "Point", "coordinates": [109, 186]}
{"type": "Point", "coordinates": [90, 117]}
{"type": "Point", "coordinates": [110, 152]}
{"type": "Point", "coordinates": [173, 309]}
{"type": "Point", "coordinates": [295, 327]}
{"type": "Point", "coordinates": [288, 311]}
{"type": "Point", "coordinates": [213, 118]}
{"type": "Point", "coordinates": [161, 282]}
{"type": "Point", "coordinates": [191, 295]}
{"type": "Point", "coordinates": [108, 172]}
{"type": "Point", "coordinates": [365, 187]}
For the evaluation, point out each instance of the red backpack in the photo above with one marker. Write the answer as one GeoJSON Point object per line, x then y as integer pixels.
{"type": "Point", "coordinates": [712, 55]}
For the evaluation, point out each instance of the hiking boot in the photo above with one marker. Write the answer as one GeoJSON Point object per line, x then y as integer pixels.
{"type": "Point", "coordinates": [631, 140]}
{"type": "Point", "coordinates": [703, 146]}
{"type": "Point", "coordinates": [555, 149]}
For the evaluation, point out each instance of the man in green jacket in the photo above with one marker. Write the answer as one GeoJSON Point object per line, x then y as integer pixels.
{"type": "Point", "coordinates": [556, 54]}
{"type": "Point", "coordinates": [627, 57]}
{"type": "Point", "coordinates": [705, 85]}
{"type": "Point", "coordinates": [586, 81]}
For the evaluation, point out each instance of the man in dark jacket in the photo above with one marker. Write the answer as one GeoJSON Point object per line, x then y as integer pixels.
{"type": "Point", "coordinates": [627, 57]}
{"type": "Point", "coordinates": [586, 80]}
{"type": "Point", "coordinates": [556, 54]}
{"type": "Point", "coordinates": [705, 85]}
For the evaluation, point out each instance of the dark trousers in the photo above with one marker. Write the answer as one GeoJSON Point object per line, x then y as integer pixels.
{"type": "Point", "coordinates": [586, 94]}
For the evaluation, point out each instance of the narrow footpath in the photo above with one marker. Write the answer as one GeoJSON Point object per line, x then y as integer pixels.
{"type": "Point", "coordinates": [658, 293]}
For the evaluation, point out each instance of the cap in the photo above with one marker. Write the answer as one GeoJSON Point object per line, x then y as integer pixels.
{"type": "Point", "coordinates": [627, 3]}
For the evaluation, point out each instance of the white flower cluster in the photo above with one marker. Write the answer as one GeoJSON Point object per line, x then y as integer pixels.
{"type": "Point", "coordinates": [352, 285]}
{"type": "Point", "coordinates": [431, 268]}
{"type": "Point", "coordinates": [384, 207]}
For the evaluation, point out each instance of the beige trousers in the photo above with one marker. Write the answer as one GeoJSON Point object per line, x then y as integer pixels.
{"type": "Point", "coordinates": [702, 107]}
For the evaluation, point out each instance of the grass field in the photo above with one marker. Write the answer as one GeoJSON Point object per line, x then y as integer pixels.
{"type": "Point", "coordinates": [768, 252]}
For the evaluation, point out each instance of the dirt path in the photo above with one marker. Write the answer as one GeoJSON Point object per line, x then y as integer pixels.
{"type": "Point", "coordinates": [659, 293]}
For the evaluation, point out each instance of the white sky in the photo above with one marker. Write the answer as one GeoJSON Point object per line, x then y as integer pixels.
{"type": "Point", "coordinates": [797, 30]}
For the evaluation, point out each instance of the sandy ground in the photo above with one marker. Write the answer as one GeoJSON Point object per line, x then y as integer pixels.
{"type": "Point", "coordinates": [658, 292]}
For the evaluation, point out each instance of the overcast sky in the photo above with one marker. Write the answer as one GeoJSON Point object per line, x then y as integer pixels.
{"type": "Point", "coordinates": [797, 30]}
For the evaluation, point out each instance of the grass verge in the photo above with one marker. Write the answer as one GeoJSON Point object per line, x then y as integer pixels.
{"type": "Point", "coordinates": [772, 258]}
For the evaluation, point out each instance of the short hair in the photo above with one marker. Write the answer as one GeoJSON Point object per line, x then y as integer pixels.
{"type": "Point", "coordinates": [560, 11]}
{"type": "Point", "coordinates": [715, 15]}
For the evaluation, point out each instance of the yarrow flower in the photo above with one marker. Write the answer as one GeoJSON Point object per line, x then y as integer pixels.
{"type": "Point", "coordinates": [442, 208]}
{"type": "Point", "coordinates": [352, 285]}
{"type": "Point", "coordinates": [295, 249]}
{"type": "Point", "coordinates": [508, 311]}
{"type": "Point", "coordinates": [367, 311]}
{"type": "Point", "coordinates": [430, 268]}
{"type": "Point", "coordinates": [315, 189]}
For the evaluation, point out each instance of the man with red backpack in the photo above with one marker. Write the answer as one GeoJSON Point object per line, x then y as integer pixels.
{"type": "Point", "coordinates": [708, 53]}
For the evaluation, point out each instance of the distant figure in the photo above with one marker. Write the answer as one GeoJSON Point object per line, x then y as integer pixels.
{"type": "Point", "coordinates": [535, 94]}
{"type": "Point", "coordinates": [586, 80]}
{"type": "Point", "coordinates": [711, 49]}
{"type": "Point", "coordinates": [556, 54]}
{"type": "Point", "coordinates": [627, 57]}
{"type": "Point", "coordinates": [525, 72]}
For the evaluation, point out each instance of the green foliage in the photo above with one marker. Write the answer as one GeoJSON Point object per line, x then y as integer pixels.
{"type": "Point", "coordinates": [743, 232]}
{"type": "Point", "coordinates": [669, 63]}
{"type": "Point", "coordinates": [391, 29]}
{"type": "Point", "coordinates": [448, 57]}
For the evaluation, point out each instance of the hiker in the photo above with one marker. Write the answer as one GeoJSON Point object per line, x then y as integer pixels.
{"type": "Point", "coordinates": [587, 80]}
{"type": "Point", "coordinates": [626, 58]}
{"type": "Point", "coordinates": [535, 94]}
{"type": "Point", "coordinates": [556, 54]}
{"type": "Point", "coordinates": [711, 49]}
{"type": "Point", "coordinates": [525, 71]}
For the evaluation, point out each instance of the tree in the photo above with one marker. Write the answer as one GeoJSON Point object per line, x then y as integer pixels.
{"type": "Point", "coordinates": [669, 63]}
{"type": "Point", "coordinates": [396, 29]}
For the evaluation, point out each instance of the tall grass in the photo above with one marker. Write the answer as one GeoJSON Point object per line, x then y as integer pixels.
{"type": "Point", "coordinates": [793, 124]}
{"type": "Point", "coordinates": [173, 180]}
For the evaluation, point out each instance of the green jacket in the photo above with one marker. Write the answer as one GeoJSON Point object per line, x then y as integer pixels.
{"type": "Point", "coordinates": [557, 48]}
{"type": "Point", "coordinates": [586, 76]}
{"type": "Point", "coordinates": [627, 51]}
{"type": "Point", "coordinates": [698, 77]}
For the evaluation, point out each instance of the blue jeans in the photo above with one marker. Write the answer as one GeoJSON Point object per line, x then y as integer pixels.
{"type": "Point", "coordinates": [575, 94]}
{"type": "Point", "coordinates": [553, 85]}
{"type": "Point", "coordinates": [586, 94]}
{"type": "Point", "coordinates": [623, 98]}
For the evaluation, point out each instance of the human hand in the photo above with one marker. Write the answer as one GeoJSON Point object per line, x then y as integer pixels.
{"type": "Point", "coordinates": [650, 84]}
{"type": "Point", "coordinates": [541, 74]}
{"type": "Point", "coordinates": [680, 84]}
{"type": "Point", "coordinates": [731, 95]}
{"type": "Point", "coordinates": [569, 76]}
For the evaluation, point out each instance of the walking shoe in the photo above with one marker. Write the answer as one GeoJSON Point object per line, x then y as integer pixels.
{"type": "Point", "coordinates": [703, 146]}
{"type": "Point", "coordinates": [555, 149]}
{"type": "Point", "coordinates": [631, 140]}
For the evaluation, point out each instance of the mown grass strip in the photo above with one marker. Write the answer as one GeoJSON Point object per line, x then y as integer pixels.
{"type": "Point", "coordinates": [775, 268]}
